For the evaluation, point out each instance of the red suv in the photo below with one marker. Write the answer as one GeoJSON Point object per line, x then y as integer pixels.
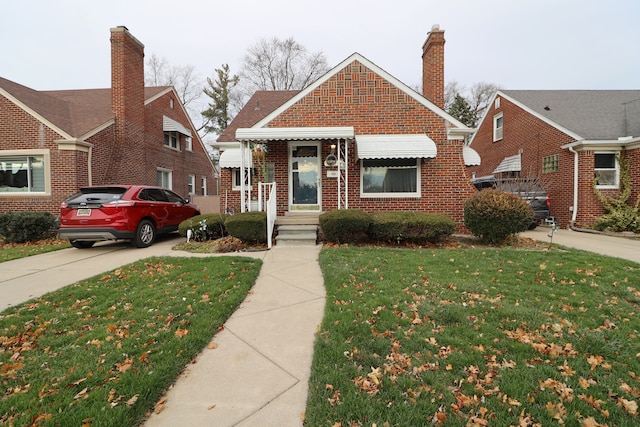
{"type": "Point", "coordinates": [114, 212]}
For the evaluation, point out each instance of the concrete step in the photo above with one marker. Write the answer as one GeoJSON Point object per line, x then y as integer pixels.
{"type": "Point", "coordinates": [297, 235]}
{"type": "Point", "coordinates": [292, 218]}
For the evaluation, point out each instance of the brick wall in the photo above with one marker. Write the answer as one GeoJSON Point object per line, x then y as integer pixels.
{"type": "Point", "coordinates": [358, 97]}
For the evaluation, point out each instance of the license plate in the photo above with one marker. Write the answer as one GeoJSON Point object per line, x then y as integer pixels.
{"type": "Point", "coordinates": [83, 212]}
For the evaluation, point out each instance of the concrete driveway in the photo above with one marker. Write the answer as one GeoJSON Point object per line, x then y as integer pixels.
{"type": "Point", "coordinates": [30, 277]}
{"type": "Point", "coordinates": [618, 247]}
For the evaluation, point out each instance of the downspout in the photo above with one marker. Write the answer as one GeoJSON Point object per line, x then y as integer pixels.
{"type": "Point", "coordinates": [575, 187]}
{"type": "Point", "coordinates": [89, 170]}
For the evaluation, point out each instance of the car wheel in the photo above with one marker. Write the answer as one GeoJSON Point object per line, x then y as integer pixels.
{"type": "Point", "coordinates": [81, 244]}
{"type": "Point", "coordinates": [533, 225]}
{"type": "Point", "coordinates": [145, 234]}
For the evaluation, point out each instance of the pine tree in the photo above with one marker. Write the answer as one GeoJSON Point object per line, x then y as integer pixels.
{"type": "Point", "coordinates": [218, 114]}
{"type": "Point", "coordinates": [461, 110]}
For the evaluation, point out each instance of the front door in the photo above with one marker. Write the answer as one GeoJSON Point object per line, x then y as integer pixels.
{"type": "Point", "coordinates": [304, 176]}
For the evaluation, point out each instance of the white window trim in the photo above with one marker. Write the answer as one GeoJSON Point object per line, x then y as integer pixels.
{"type": "Point", "coordinates": [171, 135]}
{"type": "Point", "coordinates": [412, 195]}
{"type": "Point", "coordinates": [169, 172]}
{"type": "Point", "coordinates": [46, 157]}
{"type": "Point", "coordinates": [203, 185]}
{"type": "Point", "coordinates": [498, 133]}
{"type": "Point", "coordinates": [617, 170]}
{"type": "Point", "coordinates": [235, 185]}
{"type": "Point", "coordinates": [188, 143]}
{"type": "Point", "coordinates": [191, 184]}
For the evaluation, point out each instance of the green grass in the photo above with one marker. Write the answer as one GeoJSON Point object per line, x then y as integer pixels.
{"type": "Point", "coordinates": [101, 352]}
{"type": "Point", "coordinates": [9, 252]}
{"type": "Point", "coordinates": [476, 337]}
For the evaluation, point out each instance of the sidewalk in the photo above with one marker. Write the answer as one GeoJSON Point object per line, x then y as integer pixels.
{"type": "Point", "coordinates": [258, 373]}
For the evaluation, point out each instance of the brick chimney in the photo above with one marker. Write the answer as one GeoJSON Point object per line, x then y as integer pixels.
{"type": "Point", "coordinates": [433, 67]}
{"type": "Point", "coordinates": [127, 101]}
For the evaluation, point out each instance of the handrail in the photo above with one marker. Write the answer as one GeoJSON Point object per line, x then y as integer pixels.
{"type": "Point", "coordinates": [269, 189]}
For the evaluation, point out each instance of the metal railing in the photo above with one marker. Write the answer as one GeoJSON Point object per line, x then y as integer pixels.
{"type": "Point", "coordinates": [267, 199]}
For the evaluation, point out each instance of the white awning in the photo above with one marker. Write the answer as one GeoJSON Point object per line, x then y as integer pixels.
{"type": "Point", "coordinates": [509, 164]}
{"type": "Point", "coordinates": [170, 125]}
{"type": "Point", "coordinates": [395, 147]}
{"type": "Point", "coordinates": [292, 134]}
{"type": "Point", "coordinates": [231, 158]}
{"type": "Point", "coordinates": [470, 156]}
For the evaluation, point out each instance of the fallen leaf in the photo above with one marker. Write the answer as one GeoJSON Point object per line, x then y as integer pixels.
{"type": "Point", "coordinates": [132, 401]}
{"type": "Point", "coordinates": [181, 333]}
{"type": "Point", "coordinates": [212, 345]}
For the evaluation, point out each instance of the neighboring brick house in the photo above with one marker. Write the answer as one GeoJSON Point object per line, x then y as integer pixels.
{"type": "Point", "coordinates": [53, 142]}
{"type": "Point", "coordinates": [565, 138]}
{"type": "Point", "coordinates": [356, 138]}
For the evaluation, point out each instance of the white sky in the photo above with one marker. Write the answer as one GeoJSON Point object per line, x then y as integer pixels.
{"type": "Point", "coordinates": [515, 44]}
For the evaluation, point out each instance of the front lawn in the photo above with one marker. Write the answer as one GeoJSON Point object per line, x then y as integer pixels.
{"type": "Point", "coordinates": [476, 337]}
{"type": "Point", "coordinates": [101, 352]}
{"type": "Point", "coordinates": [9, 251]}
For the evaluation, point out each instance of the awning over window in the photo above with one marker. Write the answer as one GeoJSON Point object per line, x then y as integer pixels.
{"type": "Point", "coordinates": [509, 164]}
{"type": "Point", "coordinates": [289, 134]}
{"type": "Point", "coordinates": [395, 147]}
{"type": "Point", "coordinates": [230, 158]}
{"type": "Point", "coordinates": [170, 125]}
{"type": "Point", "coordinates": [470, 156]}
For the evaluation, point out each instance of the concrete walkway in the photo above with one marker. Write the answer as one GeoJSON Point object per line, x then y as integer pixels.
{"type": "Point", "coordinates": [257, 375]}
{"type": "Point", "coordinates": [618, 247]}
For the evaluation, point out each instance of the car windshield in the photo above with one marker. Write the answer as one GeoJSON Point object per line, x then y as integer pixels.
{"type": "Point", "coordinates": [97, 195]}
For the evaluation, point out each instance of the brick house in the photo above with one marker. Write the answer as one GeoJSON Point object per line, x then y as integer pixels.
{"type": "Point", "coordinates": [356, 138]}
{"type": "Point", "coordinates": [565, 138]}
{"type": "Point", "coordinates": [54, 142]}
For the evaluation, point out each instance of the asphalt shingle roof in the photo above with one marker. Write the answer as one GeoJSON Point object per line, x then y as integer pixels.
{"type": "Point", "coordinates": [592, 114]}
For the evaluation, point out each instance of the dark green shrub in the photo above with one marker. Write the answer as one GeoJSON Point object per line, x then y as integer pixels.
{"type": "Point", "coordinates": [494, 215]}
{"type": "Point", "coordinates": [204, 227]}
{"type": "Point", "coordinates": [21, 227]}
{"type": "Point", "coordinates": [345, 225]}
{"type": "Point", "coordinates": [249, 227]}
{"type": "Point", "coordinates": [416, 227]}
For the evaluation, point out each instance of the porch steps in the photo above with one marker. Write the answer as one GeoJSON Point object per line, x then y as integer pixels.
{"type": "Point", "coordinates": [297, 235]}
{"type": "Point", "coordinates": [297, 229]}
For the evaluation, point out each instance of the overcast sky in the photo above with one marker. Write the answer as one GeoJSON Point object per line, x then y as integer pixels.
{"type": "Point", "coordinates": [515, 44]}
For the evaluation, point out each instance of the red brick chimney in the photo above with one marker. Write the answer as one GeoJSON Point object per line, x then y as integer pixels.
{"type": "Point", "coordinates": [433, 67]}
{"type": "Point", "coordinates": [127, 101]}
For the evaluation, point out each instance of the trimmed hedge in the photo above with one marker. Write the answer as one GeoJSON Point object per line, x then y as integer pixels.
{"type": "Point", "coordinates": [248, 226]}
{"type": "Point", "coordinates": [345, 225]}
{"type": "Point", "coordinates": [21, 227]}
{"type": "Point", "coordinates": [494, 215]}
{"type": "Point", "coordinates": [204, 227]}
{"type": "Point", "coordinates": [416, 227]}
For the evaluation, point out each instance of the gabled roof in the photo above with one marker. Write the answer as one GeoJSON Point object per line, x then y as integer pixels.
{"type": "Point", "coordinates": [364, 61]}
{"type": "Point", "coordinates": [73, 113]}
{"type": "Point", "coordinates": [262, 103]}
{"type": "Point", "coordinates": [584, 114]}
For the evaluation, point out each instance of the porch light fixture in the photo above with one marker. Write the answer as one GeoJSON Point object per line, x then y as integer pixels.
{"type": "Point", "coordinates": [331, 159]}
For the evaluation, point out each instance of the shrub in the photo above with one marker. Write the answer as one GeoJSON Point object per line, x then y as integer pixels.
{"type": "Point", "coordinates": [494, 215]}
{"type": "Point", "coordinates": [248, 226]}
{"type": "Point", "coordinates": [204, 227]}
{"type": "Point", "coordinates": [417, 227]}
{"type": "Point", "coordinates": [21, 227]}
{"type": "Point", "coordinates": [345, 225]}
{"type": "Point", "coordinates": [623, 218]}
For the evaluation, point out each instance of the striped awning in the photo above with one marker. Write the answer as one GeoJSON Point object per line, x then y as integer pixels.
{"type": "Point", "coordinates": [470, 156]}
{"type": "Point", "coordinates": [418, 146]}
{"type": "Point", "coordinates": [231, 158]}
{"type": "Point", "coordinates": [509, 164]}
{"type": "Point", "coordinates": [170, 125]}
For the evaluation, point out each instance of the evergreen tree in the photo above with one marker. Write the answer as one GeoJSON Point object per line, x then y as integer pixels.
{"type": "Point", "coordinates": [218, 115]}
{"type": "Point", "coordinates": [461, 110]}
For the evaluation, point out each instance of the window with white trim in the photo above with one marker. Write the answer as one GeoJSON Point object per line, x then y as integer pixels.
{"type": "Point", "coordinates": [172, 139]}
{"type": "Point", "coordinates": [235, 177]}
{"type": "Point", "coordinates": [191, 184]}
{"type": "Point", "coordinates": [606, 170]}
{"type": "Point", "coordinates": [164, 178]}
{"type": "Point", "coordinates": [188, 143]}
{"type": "Point", "coordinates": [390, 178]}
{"type": "Point", "coordinates": [498, 127]}
{"type": "Point", "coordinates": [203, 185]}
{"type": "Point", "coordinates": [24, 171]}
